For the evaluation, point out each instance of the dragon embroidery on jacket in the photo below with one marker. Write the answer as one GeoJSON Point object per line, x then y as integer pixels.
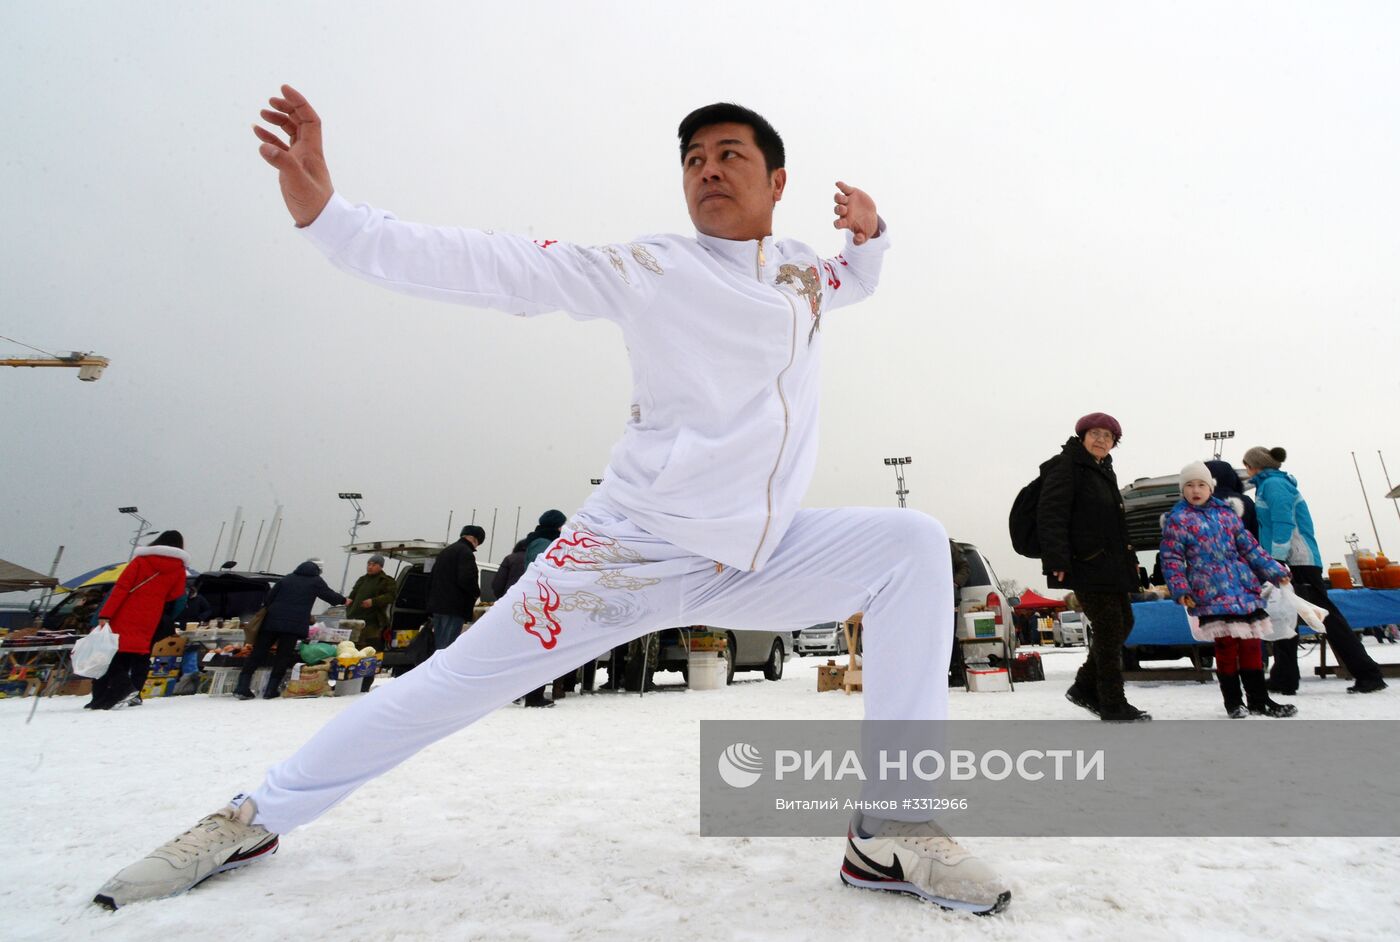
{"type": "Point", "coordinates": [808, 284]}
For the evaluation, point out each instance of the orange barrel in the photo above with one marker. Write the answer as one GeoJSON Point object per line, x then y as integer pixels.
{"type": "Point", "coordinates": [1381, 561]}
{"type": "Point", "coordinates": [1365, 560]}
{"type": "Point", "coordinates": [1339, 576]}
{"type": "Point", "coordinates": [1390, 577]}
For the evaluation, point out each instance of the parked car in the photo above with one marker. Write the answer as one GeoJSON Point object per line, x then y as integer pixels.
{"type": "Point", "coordinates": [1070, 629]}
{"type": "Point", "coordinates": [232, 594]}
{"type": "Point", "coordinates": [826, 638]}
{"type": "Point", "coordinates": [747, 650]}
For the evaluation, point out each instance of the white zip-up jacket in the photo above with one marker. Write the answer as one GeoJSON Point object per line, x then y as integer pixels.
{"type": "Point", "coordinates": [725, 345]}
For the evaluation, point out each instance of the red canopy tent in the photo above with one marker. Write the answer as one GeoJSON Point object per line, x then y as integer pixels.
{"type": "Point", "coordinates": [1031, 602]}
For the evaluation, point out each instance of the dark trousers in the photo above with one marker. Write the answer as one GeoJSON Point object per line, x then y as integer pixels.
{"type": "Point", "coordinates": [283, 658]}
{"type": "Point", "coordinates": [126, 673]}
{"type": "Point", "coordinates": [1307, 582]}
{"type": "Point", "coordinates": [1110, 616]}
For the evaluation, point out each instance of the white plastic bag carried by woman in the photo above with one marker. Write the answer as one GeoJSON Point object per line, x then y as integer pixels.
{"type": "Point", "coordinates": [93, 652]}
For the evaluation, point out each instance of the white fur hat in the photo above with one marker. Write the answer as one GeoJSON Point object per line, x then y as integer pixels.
{"type": "Point", "coordinates": [1195, 471]}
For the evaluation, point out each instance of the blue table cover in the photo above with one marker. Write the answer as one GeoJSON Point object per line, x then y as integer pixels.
{"type": "Point", "coordinates": [1164, 622]}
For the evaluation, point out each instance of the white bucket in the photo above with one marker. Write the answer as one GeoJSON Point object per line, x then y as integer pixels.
{"type": "Point", "coordinates": [706, 670]}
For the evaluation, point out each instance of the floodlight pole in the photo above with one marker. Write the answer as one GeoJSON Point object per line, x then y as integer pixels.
{"type": "Point", "coordinates": [354, 498]}
{"type": "Point", "coordinates": [900, 491]}
{"type": "Point", "coordinates": [141, 526]}
{"type": "Point", "coordinates": [1219, 438]}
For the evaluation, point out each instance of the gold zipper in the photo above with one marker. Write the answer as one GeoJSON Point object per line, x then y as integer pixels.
{"type": "Point", "coordinates": [758, 269]}
{"type": "Point", "coordinates": [782, 446]}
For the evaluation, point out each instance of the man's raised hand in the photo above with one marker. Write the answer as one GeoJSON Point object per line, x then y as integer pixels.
{"type": "Point", "coordinates": [855, 210]}
{"type": "Point", "coordinates": [301, 165]}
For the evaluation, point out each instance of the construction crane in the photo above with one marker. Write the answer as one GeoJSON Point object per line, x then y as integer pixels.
{"type": "Point", "coordinates": [89, 366]}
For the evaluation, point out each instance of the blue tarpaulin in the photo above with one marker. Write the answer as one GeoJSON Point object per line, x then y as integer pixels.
{"type": "Point", "coordinates": [1164, 622]}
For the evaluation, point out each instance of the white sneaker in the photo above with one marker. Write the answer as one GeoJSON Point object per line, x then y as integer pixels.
{"type": "Point", "coordinates": [130, 700]}
{"type": "Point", "coordinates": [920, 859]}
{"type": "Point", "coordinates": [221, 841]}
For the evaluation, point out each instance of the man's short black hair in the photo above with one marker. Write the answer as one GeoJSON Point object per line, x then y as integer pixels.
{"type": "Point", "coordinates": [726, 112]}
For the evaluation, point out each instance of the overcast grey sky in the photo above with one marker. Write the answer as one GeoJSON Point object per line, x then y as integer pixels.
{"type": "Point", "coordinates": [1183, 214]}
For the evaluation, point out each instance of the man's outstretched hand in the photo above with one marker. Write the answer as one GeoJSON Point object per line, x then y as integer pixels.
{"type": "Point", "coordinates": [855, 210]}
{"type": "Point", "coordinates": [301, 166]}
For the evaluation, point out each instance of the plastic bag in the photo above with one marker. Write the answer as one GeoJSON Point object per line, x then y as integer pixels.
{"type": "Point", "coordinates": [316, 653]}
{"type": "Point", "coordinates": [1283, 617]}
{"type": "Point", "coordinates": [1314, 615]}
{"type": "Point", "coordinates": [92, 655]}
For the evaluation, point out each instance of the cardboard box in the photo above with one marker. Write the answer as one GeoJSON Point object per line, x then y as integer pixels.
{"type": "Point", "coordinates": [75, 687]}
{"type": "Point", "coordinates": [173, 646]}
{"type": "Point", "coordinates": [157, 688]}
{"type": "Point", "coordinates": [830, 676]}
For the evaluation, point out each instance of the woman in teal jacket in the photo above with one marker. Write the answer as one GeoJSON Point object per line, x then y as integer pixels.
{"type": "Point", "coordinates": [1286, 533]}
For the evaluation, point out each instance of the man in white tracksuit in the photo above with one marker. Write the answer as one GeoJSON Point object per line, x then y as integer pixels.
{"type": "Point", "coordinates": [697, 519]}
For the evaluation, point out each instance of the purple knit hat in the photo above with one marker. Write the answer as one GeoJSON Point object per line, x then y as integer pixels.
{"type": "Point", "coordinates": [1099, 420]}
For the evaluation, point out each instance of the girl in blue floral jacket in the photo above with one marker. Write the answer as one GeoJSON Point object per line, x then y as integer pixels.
{"type": "Point", "coordinates": [1214, 568]}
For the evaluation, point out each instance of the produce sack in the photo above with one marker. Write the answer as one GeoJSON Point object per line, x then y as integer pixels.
{"type": "Point", "coordinates": [94, 651]}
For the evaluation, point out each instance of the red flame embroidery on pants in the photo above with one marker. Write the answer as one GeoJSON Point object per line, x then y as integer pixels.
{"type": "Point", "coordinates": [548, 601]}
{"type": "Point", "coordinates": [559, 554]}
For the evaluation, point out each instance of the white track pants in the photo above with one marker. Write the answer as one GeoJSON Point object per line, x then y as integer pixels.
{"type": "Point", "coordinates": [605, 582]}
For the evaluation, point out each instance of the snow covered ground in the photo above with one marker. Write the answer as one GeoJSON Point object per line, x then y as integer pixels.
{"type": "Point", "coordinates": [581, 822]}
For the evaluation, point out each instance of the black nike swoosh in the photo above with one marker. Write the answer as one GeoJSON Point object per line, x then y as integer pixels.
{"type": "Point", "coordinates": [895, 871]}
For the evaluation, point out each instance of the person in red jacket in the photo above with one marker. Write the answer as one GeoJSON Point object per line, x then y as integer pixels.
{"type": "Point", "coordinates": [155, 576]}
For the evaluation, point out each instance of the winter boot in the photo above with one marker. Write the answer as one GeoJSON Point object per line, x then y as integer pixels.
{"type": "Point", "coordinates": [1124, 712]}
{"type": "Point", "coordinates": [1083, 698]}
{"type": "Point", "coordinates": [1232, 692]}
{"type": "Point", "coordinates": [1256, 692]}
{"type": "Point", "coordinates": [226, 839]}
{"type": "Point", "coordinates": [920, 859]}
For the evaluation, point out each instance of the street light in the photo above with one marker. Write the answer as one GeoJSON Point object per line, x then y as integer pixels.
{"type": "Point", "coordinates": [354, 498]}
{"type": "Point", "coordinates": [141, 525]}
{"type": "Point", "coordinates": [898, 464]}
{"type": "Point", "coordinates": [1218, 438]}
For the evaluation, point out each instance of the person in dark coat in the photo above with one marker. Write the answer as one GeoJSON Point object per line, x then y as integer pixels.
{"type": "Point", "coordinates": [1084, 542]}
{"type": "Point", "coordinates": [546, 532]}
{"type": "Point", "coordinates": [510, 571]}
{"type": "Point", "coordinates": [1230, 489]}
{"type": "Point", "coordinates": [287, 622]}
{"type": "Point", "coordinates": [961, 570]}
{"type": "Point", "coordinates": [454, 586]}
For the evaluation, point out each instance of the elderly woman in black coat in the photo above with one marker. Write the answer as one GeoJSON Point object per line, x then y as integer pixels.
{"type": "Point", "coordinates": [287, 622]}
{"type": "Point", "coordinates": [1084, 543]}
